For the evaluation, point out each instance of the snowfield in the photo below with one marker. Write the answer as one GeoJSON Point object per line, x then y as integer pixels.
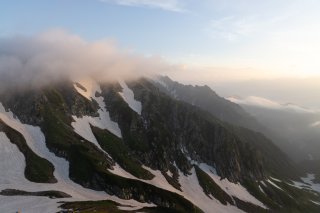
{"type": "Point", "coordinates": [128, 97]}
{"type": "Point", "coordinates": [193, 192]}
{"type": "Point", "coordinates": [308, 183]}
{"type": "Point", "coordinates": [12, 158]}
{"type": "Point", "coordinates": [236, 190]}
{"type": "Point", "coordinates": [12, 162]}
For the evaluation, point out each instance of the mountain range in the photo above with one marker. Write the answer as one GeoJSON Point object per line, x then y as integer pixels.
{"type": "Point", "coordinates": [145, 145]}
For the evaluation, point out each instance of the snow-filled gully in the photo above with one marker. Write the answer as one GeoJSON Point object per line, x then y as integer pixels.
{"type": "Point", "coordinates": [128, 96]}
{"type": "Point", "coordinates": [103, 121]}
{"type": "Point", "coordinates": [15, 179]}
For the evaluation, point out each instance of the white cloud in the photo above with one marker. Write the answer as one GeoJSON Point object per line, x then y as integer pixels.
{"type": "Point", "coordinates": [170, 5]}
{"type": "Point", "coordinates": [315, 124]}
{"type": "Point", "coordinates": [269, 104]}
{"type": "Point", "coordinates": [56, 55]}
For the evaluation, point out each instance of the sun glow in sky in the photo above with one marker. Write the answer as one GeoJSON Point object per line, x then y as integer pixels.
{"type": "Point", "coordinates": [219, 39]}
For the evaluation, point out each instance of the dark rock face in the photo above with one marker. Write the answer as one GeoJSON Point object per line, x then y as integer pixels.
{"type": "Point", "coordinates": [205, 98]}
{"type": "Point", "coordinates": [171, 131]}
{"type": "Point", "coordinates": [246, 127]}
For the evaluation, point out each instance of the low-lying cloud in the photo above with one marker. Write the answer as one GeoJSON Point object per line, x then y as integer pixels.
{"type": "Point", "coordinates": [52, 56]}
{"type": "Point", "coordinates": [269, 104]}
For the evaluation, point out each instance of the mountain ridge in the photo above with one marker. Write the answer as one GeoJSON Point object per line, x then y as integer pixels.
{"type": "Point", "coordinates": [163, 155]}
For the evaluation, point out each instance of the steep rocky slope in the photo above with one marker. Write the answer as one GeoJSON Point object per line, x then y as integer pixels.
{"type": "Point", "coordinates": [205, 98]}
{"type": "Point", "coordinates": [130, 143]}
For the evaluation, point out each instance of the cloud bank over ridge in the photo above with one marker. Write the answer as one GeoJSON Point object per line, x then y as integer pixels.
{"type": "Point", "coordinates": [44, 58]}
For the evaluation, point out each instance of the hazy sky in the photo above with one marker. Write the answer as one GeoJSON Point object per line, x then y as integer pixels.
{"type": "Point", "coordinates": [249, 37]}
{"type": "Point", "coordinates": [211, 40]}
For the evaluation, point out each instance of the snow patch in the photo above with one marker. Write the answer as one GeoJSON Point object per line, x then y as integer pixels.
{"type": "Point", "coordinates": [160, 181]}
{"type": "Point", "coordinates": [128, 96]}
{"type": "Point", "coordinates": [12, 162]}
{"type": "Point", "coordinates": [317, 203]}
{"type": "Point", "coordinates": [117, 170]}
{"type": "Point", "coordinates": [275, 179]}
{"type": "Point", "coordinates": [236, 190]}
{"type": "Point", "coordinates": [103, 121]}
{"type": "Point", "coordinates": [308, 183]}
{"type": "Point", "coordinates": [261, 190]}
{"type": "Point", "coordinates": [169, 173]}
{"type": "Point", "coordinates": [128, 208]}
{"type": "Point", "coordinates": [13, 178]}
{"type": "Point", "coordinates": [273, 184]}
{"type": "Point", "coordinates": [194, 192]}
{"type": "Point", "coordinates": [28, 204]}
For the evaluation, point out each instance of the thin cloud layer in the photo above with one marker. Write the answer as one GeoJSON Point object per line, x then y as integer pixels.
{"type": "Point", "coordinates": [315, 124]}
{"type": "Point", "coordinates": [170, 5]}
{"type": "Point", "coordinates": [269, 104]}
{"type": "Point", "coordinates": [57, 55]}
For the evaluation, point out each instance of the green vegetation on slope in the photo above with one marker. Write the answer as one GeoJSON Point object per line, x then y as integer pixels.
{"type": "Point", "coordinates": [84, 157]}
{"type": "Point", "coordinates": [125, 117]}
{"type": "Point", "coordinates": [275, 162]}
{"type": "Point", "coordinates": [120, 153]}
{"type": "Point", "coordinates": [249, 207]}
{"type": "Point", "coordinates": [293, 199]}
{"type": "Point", "coordinates": [287, 199]}
{"type": "Point", "coordinates": [253, 188]}
{"type": "Point", "coordinates": [211, 188]}
{"type": "Point", "coordinates": [107, 206]}
{"type": "Point", "coordinates": [50, 194]}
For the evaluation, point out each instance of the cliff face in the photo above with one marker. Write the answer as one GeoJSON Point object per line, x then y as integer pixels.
{"type": "Point", "coordinates": [237, 119]}
{"type": "Point", "coordinates": [171, 131]}
{"type": "Point", "coordinates": [207, 99]}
